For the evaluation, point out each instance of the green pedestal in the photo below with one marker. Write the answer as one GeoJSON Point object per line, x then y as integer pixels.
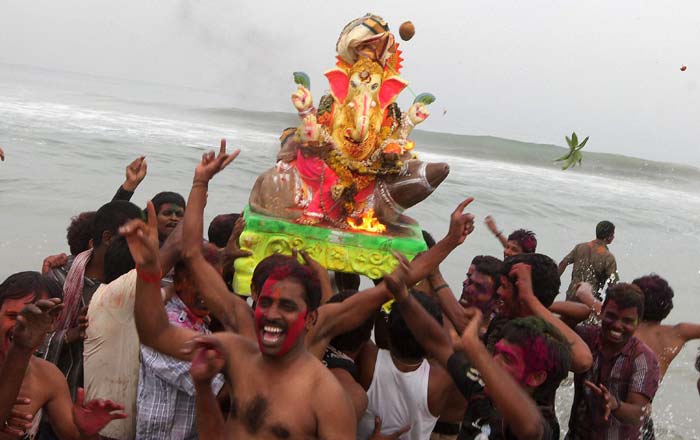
{"type": "Point", "coordinates": [340, 250]}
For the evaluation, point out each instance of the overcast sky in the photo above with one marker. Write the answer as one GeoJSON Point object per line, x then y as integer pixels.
{"type": "Point", "coordinates": [528, 70]}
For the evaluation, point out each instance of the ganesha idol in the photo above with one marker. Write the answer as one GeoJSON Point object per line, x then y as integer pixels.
{"type": "Point", "coordinates": [349, 167]}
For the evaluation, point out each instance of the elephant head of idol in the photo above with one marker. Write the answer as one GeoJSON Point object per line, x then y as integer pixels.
{"type": "Point", "coordinates": [362, 94]}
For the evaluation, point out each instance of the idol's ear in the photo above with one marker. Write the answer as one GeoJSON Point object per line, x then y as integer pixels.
{"type": "Point", "coordinates": [339, 83]}
{"type": "Point", "coordinates": [390, 89]}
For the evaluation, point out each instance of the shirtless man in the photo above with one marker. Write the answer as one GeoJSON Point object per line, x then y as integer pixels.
{"type": "Point", "coordinates": [278, 389]}
{"type": "Point", "coordinates": [26, 315]}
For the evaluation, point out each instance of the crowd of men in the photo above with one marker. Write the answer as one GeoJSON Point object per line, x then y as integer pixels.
{"type": "Point", "coordinates": [138, 334]}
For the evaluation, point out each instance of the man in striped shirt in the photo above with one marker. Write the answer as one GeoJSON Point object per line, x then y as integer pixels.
{"type": "Point", "coordinates": [614, 396]}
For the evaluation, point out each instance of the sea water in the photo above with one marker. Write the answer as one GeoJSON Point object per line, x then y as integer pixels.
{"type": "Point", "coordinates": [68, 137]}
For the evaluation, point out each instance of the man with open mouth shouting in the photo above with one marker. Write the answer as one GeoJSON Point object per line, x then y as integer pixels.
{"type": "Point", "coordinates": [277, 388]}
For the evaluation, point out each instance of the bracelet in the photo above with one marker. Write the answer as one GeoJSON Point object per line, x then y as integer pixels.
{"type": "Point", "coordinates": [441, 286]}
{"type": "Point", "coordinates": [203, 183]}
{"type": "Point", "coordinates": [149, 277]}
{"type": "Point", "coordinates": [307, 111]}
{"type": "Point", "coordinates": [499, 233]}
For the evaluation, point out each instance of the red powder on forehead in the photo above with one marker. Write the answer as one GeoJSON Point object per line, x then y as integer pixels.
{"type": "Point", "coordinates": [537, 355]}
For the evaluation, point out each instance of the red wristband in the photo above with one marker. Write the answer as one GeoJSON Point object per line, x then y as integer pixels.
{"type": "Point", "coordinates": [149, 277]}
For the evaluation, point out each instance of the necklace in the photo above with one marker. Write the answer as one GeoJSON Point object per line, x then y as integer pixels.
{"type": "Point", "coordinates": [405, 364]}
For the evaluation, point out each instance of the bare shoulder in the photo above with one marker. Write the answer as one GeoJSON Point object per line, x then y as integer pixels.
{"type": "Point", "coordinates": [46, 372]}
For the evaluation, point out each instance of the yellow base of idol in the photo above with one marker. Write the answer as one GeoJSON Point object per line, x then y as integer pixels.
{"type": "Point", "coordinates": [339, 250]}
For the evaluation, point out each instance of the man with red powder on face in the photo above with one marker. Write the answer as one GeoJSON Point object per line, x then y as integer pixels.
{"type": "Point", "coordinates": [530, 359]}
{"type": "Point", "coordinates": [26, 315]}
{"type": "Point", "coordinates": [612, 398]}
{"type": "Point", "coordinates": [520, 241]}
{"type": "Point", "coordinates": [278, 389]}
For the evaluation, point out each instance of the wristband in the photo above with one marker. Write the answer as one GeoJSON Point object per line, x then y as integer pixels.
{"type": "Point", "coordinates": [441, 286]}
{"type": "Point", "coordinates": [203, 183]}
{"type": "Point", "coordinates": [499, 233]}
{"type": "Point", "coordinates": [149, 277]}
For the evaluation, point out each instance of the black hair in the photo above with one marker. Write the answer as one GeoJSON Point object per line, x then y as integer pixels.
{"type": "Point", "coordinates": [351, 341]}
{"type": "Point", "coordinates": [544, 349]}
{"type": "Point", "coordinates": [79, 232]}
{"type": "Point", "coordinates": [401, 340]}
{"type": "Point", "coordinates": [167, 197]}
{"type": "Point", "coordinates": [604, 230]}
{"type": "Point", "coordinates": [110, 217]}
{"type": "Point", "coordinates": [347, 281]}
{"type": "Point", "coordinates": [428, 238]}
{"type": "Point", "coordinates": [285, 267]}
{"type": "Point", "coordinates": [220, 229]}
{"type": "Point", "coordinates": [658, 297]}
{"type": "Point", "coordinates": [625, 295]}
{"type": "Point", "coordinates": [118, 259]}
{"type": "Point", "coordinates": [489, 266]}
{"type": "Point", "coordinates": [21, 284]}
{"type": "Point", "coordinates": [525, 239]}
{"type": "Point", "coordinates": [545, 275]}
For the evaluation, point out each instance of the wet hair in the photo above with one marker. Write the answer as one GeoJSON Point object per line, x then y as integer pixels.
{"type": "Point", "coordinates": [263, 269]}
{"type": "Point", "coordinates": [544, 349]}
{"type": "Point", "coordinates": [351, 341]}
{"type": "Point", "coordinates": [286, 267]}
{"type": "Point", "coordinates": [401, 340]}
{"type": "Point", "coordinates": [545, 275]}
{"type": "Point", "coordinates": [604, 230]}
{"type": "Point", "coordinates": [164, 197]}
{"type": "Point", "coordinates": [625, 295]}
{"type": "Point", "coordinates": [118, 259]}
{"type": "Point", "coordinates": [21, 284]}
{"type": "Point", "coordinates": [428, 238]}
{"type": "Point", "coordinates": [489, 266]}
{"type": "Point", "coordinates": [525, 239]}
{"type": "Point", "coordinates": [220, 229]}
{"type": "Point", "coordinates": [79, 232]}
{"type": "Point", "coordinates": [111, 216]}
{"type": "Point", "coordinates": [658, 297]}
{"type": "Point", "coordinates": [347, 282]}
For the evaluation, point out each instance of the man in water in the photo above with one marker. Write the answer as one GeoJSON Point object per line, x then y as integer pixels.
{"type": "Point", "coordinates": [612, 398]}
{"type": "Point", "coordinates": [520, 241]}
{"type": "Point", "coordinates": [26, 314]}
{"type": "Point", "coordinates": [593, 262]}
{"type": "Point", "coordinates": [278, 389]}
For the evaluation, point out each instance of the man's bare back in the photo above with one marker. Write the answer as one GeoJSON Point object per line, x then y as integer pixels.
{"type": "Point", "coordinates": [666, 341]}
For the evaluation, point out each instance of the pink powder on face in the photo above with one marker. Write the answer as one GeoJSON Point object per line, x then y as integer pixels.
{"type": "Point", "coordinates": [537, 356]}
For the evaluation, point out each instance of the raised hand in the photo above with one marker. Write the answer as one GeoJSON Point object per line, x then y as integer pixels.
{"type": "Point", "coordinates": [142, 239]}
{"type": "Point", "coordinates": [302, 99]}
{"type": "Point", "coordinates": [90, 417]}
{"type": "Point", "coordinates": [461, 223]}
{"type": "Point", "coordinates": [34, 321]}
{"type": "Point", "coordinates": [314, 265]}
{"type": "Point", "coordinates": [491, 224]}
{"type": "Point", "coordinates": [213, 163]}
{"type": "Point", "coordinates": [377, 433]}
{"type": "Point", "coordinates": [208, 359]}
{"type": "Point", "coordinates": [608, 401]}
{"type": "Point", "coordinates": [135, 173]}
{"type": "Point", "coordinates": [396, 280]}
{"type": "Point", "coordinates": [18, 422]}
{"type": "Point", "coordinates": [470, 336]}
{"type": "Point", "coordinates": [418, 112]}
{"type": "Point", "coordinates": [52, 262]}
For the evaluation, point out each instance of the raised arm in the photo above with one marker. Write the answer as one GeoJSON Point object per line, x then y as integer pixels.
{"type": "Point", "coordinates": [571, 310]}
{"type": "Point", "coordinates": [565, 262]}
{"type": "Point", "coordinates": [491, 224]}
{"type": "Point", "coordinates": [232, 311]}
{"type": "Point", "coordinates": [448, 302]}
{"type": "Point", "coordinates": [581, 357]}
{"type": "Point", "coordinates": [33, 322]}
{"type": "Point", "coordinates": [135, 173]}
{"type": "Point", "coordinates": [427, 331]}
{"type": "Point", "coordinates": [152, 323]}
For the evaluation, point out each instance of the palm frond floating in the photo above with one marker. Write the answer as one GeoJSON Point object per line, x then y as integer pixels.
{"type": "Point", "coordinates": [574, 155]}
